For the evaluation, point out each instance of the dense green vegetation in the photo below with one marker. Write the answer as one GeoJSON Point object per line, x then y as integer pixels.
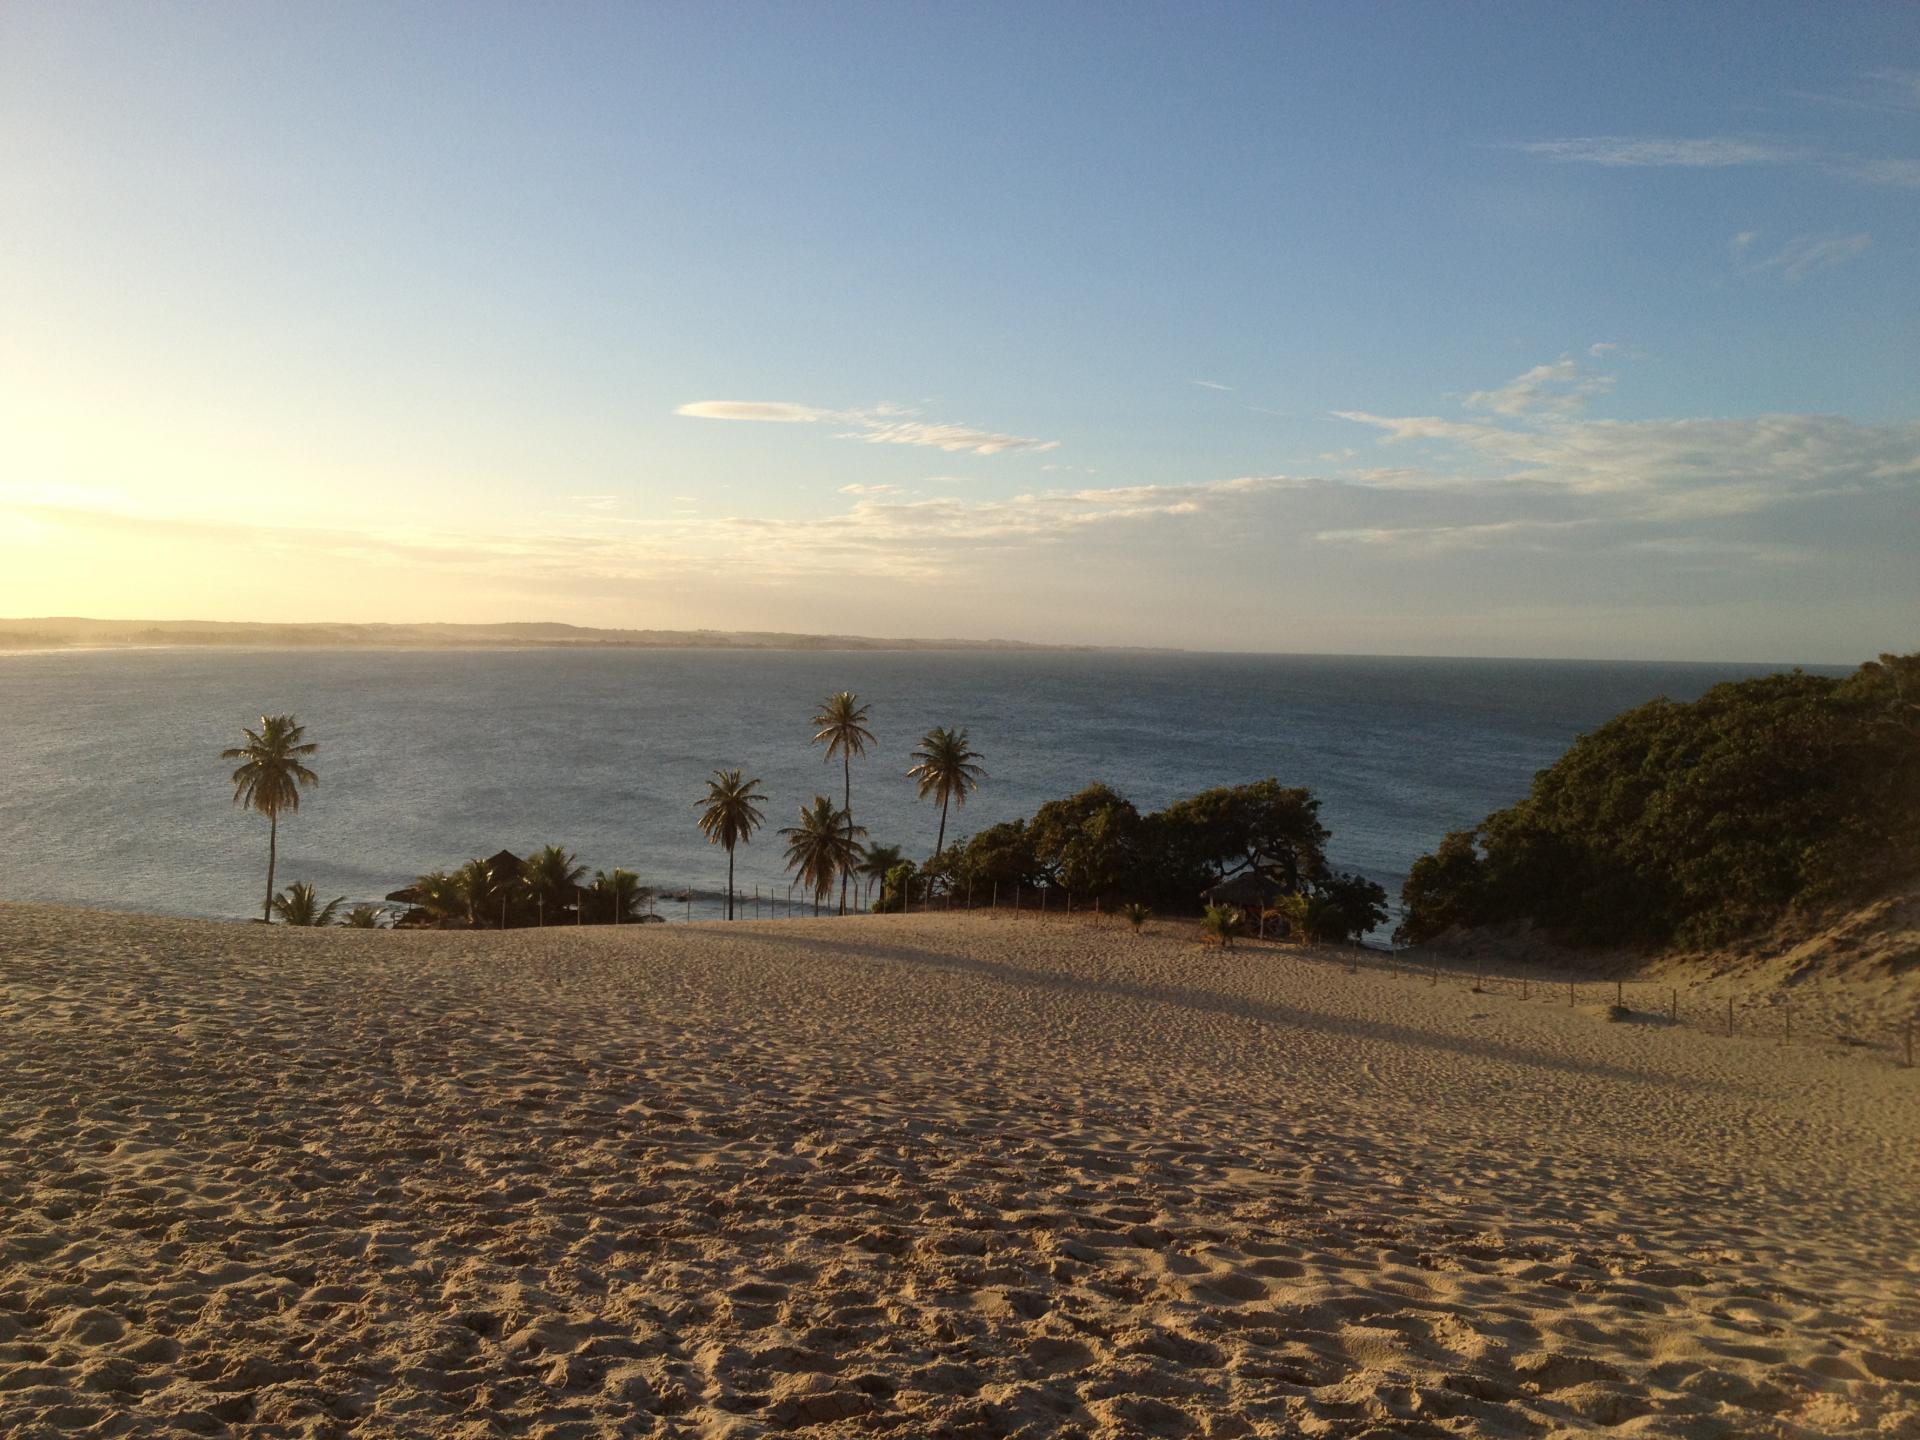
{"type": "Point", "coordinates": [1253, 844]}
{"type": "Point", "coordinates": [1692, 824]}
{"type": "Point", "coordinates": [508, 893]}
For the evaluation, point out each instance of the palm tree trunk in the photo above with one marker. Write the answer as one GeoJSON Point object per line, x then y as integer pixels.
{"type": "Point", "coordinates": [846, 809]}
{"type": "Point", "coordinates": [729, 882]}
{"type": "Point", "coordinates": [941, 843]}
{"type": "Point", "coordinates": [273, 856]}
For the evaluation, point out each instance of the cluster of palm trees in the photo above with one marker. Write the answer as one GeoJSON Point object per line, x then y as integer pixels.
{"type": "Point", "coordinates": [549, 887]}
{"type": "Point", "coordinates": [826, 847]}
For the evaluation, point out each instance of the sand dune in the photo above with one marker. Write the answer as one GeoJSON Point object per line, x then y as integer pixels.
{"type": "Point", "coordinates": [914, 1176]}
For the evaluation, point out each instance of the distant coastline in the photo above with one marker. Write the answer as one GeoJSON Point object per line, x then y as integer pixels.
{"type": "Point", "coordinates": [74, 633]}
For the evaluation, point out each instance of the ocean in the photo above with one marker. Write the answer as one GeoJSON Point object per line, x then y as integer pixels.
{"type": "Point", "coordinates": [113, 793]}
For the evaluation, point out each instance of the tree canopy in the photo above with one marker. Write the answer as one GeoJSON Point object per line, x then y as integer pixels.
{"type": "Point", "coordinates": [1097, 842]}
{"type": "Point", "coordinates": [1692, 824]}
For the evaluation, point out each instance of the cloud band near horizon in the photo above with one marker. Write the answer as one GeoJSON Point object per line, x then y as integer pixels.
{"type": "Point", "coordinates": [875, 427]}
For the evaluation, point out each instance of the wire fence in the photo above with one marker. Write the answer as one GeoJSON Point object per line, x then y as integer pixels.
{"type": "Point", "coordinates": [1725, 1013]}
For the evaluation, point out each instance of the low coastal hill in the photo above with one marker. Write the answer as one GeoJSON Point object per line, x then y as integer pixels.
{"type": "Point", "coordinates": [72, 632]}
{"type": "Point", "coordinates": [1771, 819]}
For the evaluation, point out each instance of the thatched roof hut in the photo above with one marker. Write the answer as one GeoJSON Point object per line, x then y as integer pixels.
{"type": "Point", "coordinates": [1248, 890]}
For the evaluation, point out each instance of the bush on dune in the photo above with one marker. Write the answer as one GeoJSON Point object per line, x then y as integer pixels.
{"type": "Point", "coordinates": [1693, 824]}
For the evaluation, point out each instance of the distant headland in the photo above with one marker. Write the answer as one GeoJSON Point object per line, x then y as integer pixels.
{"type": "Point", "coordinates": [72, 632]}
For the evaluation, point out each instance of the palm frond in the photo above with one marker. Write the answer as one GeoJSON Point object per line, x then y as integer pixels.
{"type": "Point", "coordinates": [732, 809]}
{"type": "Point", "coordinates": [946, 767]}
{"type": "Point", "coordinates": [841, 725]}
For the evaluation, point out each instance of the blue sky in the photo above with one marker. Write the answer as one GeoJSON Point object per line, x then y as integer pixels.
{"type": "Point", "coordinates": [1584, 330]}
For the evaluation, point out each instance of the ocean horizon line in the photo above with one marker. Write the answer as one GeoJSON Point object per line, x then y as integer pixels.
{"type": "Point", "coordinates": [492, 636]}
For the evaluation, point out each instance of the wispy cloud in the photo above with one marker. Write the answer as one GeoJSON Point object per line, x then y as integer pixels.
{"type": "Point", "coordinates": [1627, 151]}
{"type": "Point", "coordinates": [1555, 467]}
{"type": "Point", "coordinates": [1210, 385]}
{"type": "Point", "coordinates": [870, 490]}
{"type": "Point", "coordinates": [1890, 91]}
{"type": "Point", "coordinates": [1561, 387]}
{"type": "Point", "coordinates": [946, 437]}
{"type": "Point", "coordinates": [876, 426]}
{"type": "Point", "coordinates": [1721, 152]}
{"type": "Point", "coordinates": [776, 412]}
{"type": "Point", "coordinates": [1802, 256]}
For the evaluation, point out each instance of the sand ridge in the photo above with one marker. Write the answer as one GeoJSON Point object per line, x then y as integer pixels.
{"type": "Point", "coordinates": [927, 1175]}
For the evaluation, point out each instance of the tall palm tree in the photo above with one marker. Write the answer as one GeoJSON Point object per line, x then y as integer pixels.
{"type": "Point", "coordinates": [946, 768]}
{"type": "Point", "coordinates": [551, 875]}
{"type": "Point", "coordinates": [823, 847]}
{"type": "Point", "coordinates": [842, 728]}
{"type": "Point", "coordinates": [731, 816]}
{"type": "Point", "coordinates": [269, 779]}
{"type": "Point", "coordinates": [876, 861]}
{"type": "Point", "coordinates": [299, 905]}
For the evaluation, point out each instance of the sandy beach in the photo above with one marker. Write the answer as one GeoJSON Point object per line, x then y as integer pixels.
{"type": "Point", "coordinates": [924, 1176]}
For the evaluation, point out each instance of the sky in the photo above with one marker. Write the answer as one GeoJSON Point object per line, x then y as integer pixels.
{"type": "Point", "coordinates": [1586, 330]}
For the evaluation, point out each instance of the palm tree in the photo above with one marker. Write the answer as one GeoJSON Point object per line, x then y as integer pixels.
{"type": "Point", "coordinates": [438, 893]}
{"type": "Point", "coordinates": [269, 779]}
{"type": "Point", "coordinates": [823, 847]}
{"type": "Point", "coordinates": [621, 893]}
{"type": "Point", "coordinates": [1219, 924]}
{"type": "Point", "coordinates": [551, 875]}
{"type": "Point", "coordinates": [731, 816]}
{"type": "Point", "coordinates": [945, 765]}
{"type": "Point", "coordinates": [298, 905]}
{"type": "Point", "coordinates": [876, 861]}
{"type": "Point", "coordinates": [362, 917]}
{"type": "Point", "coordinates": [842, 728]}
{"type": "Point", "coordinates": [478, 893]}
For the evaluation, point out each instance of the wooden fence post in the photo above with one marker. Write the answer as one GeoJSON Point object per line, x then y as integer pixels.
{"type": "Point", "coordinates": [1673, 1006]}
{"type": "Point", "coordinates": [1729, 1015]}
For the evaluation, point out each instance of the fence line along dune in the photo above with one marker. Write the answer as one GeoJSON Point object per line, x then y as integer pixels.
{"type": "Point", "coordinates": [917, 1175]}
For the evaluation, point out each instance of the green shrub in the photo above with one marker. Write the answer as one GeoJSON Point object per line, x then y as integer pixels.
{"type": "Point", "coordinates": [1219, 924]}
{"type": "Point", "coordinates": [1680, 825]}
{"type": "Point", "coordinates": [897, 888]}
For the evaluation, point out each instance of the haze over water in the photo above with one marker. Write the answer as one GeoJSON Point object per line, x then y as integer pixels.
{"type": "Point", "coordinates": [115, 795]}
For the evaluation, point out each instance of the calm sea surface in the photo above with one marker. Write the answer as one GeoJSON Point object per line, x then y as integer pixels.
{"type": "Point", "coordinates": [112, 791]}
